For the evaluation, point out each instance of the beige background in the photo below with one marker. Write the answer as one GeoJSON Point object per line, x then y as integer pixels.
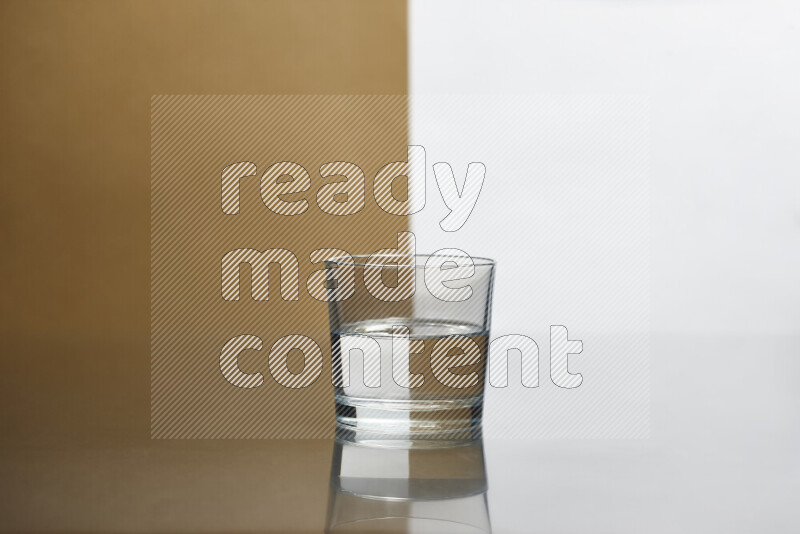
{"type": "Point", "coordinates": [77, 78]}
{"type": "Point", "coordinates": [193, 139]}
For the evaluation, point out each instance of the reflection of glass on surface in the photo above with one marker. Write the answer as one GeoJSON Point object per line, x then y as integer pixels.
{"type": "Point", "coordinates": [415, 366]}
{"type": "Point", "coordinates": [408, 490]}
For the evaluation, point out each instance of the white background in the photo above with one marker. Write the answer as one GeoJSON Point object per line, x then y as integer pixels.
{"type": "Point", "coordinates": [723, 78]}
{"type": "Point", "coordinates": [565, 211]}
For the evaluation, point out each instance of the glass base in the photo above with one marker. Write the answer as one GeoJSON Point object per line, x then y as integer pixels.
{"type": "Point", "coordinates": [425, 423]}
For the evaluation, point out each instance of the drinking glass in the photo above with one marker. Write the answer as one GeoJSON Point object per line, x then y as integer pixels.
{"type": "Point", "coordinates": [409, 338]}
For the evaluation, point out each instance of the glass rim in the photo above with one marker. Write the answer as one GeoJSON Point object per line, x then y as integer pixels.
{"type": "Point", "coordinates": [363, 260]}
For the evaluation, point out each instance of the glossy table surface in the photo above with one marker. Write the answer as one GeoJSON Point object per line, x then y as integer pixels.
{"type": "Point", "coordinates": [723, 457]}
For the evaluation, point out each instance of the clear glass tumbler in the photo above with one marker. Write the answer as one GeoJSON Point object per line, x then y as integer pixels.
{"type": "Point", "coordinates": [409, 338]}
